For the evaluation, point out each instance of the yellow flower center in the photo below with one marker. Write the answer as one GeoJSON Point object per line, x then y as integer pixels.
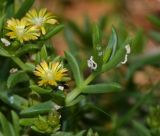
{"type": "Point", "coordinates": [20, 30]}
{"type": "Point", "coordinates": [49, 74]}
{"type": "Point", "coordinates": [38, 21]}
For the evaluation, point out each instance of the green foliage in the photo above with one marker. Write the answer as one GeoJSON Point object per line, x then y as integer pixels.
{"type": "Point", "coordinates": [88, 87]}
{"type": "Point", "coordinates": [16, 78]}
{"type": "Point", "coordinates": [26, 5]}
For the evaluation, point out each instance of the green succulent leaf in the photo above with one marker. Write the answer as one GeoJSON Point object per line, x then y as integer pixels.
{"type": "Point", "coordinates": [15, 120]}
{"type": "Point", "coordinates": [54, 30]}
{"type": "Point", "coordinates": [39, 109]}
{"type": "Point", "coordinates": [9, 8]}
{"type": "Point", "coordinates": [117, 59]}
{"type": "Point", "coordinates": [6, 126]}
{"type": "Point", "coordinates": [111, 47]}
{"type": "Point", "coordinates": [138, 42]}
{"type": "Point", "coordinates": [15, 78]}
{"type": "Point", "coordinates": [97, 47]}
{"type": "Point", "coordinates": [43, 53]}
{"type": "Point", "coordinates": [26, 49]}
{"type": "Point", "coordinates": [26, 5]}
{"type": "Point", "coordinates": [75, 68]}
{"type": "Point", "coordinates": [102, 88]}
{"type": "Point", "coordinates": [4, 52]}
{"type": "Point", "coordinates": [39, 89]}
{"type": "Point", "coordinates": [26, 121]}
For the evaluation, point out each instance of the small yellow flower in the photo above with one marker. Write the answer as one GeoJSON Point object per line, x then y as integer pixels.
{"type": "Point", "coordinates": [40, 18]}
{"type": "Point", "coordinates": [50, 74]}
{"type": "Point", "coordinates": [19, 29]}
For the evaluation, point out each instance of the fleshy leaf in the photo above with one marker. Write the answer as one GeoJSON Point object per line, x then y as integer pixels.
{"type": "Point", "coordinates": [40, 90]}
{"type": "Point", "coordinates": [102, 88]}
{"type": "Point", "coordinates": [75, 68]}
{"type": "Point", "coordinates": [43, 53]}
{"type": "Point", "coordinates": [53, 31]}
{"type": "Point", "coordinates": [112, 46]}
{"type": "Point", "coordinates": [16, 78]}
{"type": "Point", "coordinates": [26, 5]}
{"type": "Point", "coordinates": [39, 109]}
{"type": "Point", "coordinates": [97, 47]}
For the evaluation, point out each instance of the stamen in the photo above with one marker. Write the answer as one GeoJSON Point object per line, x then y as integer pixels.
{"type": "Point", "coordinates": [128, 51]}
{"type": "Point", "coordinates": [92, 64]}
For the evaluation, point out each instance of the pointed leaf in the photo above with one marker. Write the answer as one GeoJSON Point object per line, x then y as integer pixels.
{"type": "Point", "coordinates": [117, 59]}
{"type": "Point", "coordinates": [16, 78]}
{"type": "Point", "coordinates": [15, 120]}
{"type": "Point", "coordinates": [26, 121]}
{"type": "Point", "coordinates": [97, 47]}
{"type": "Point", "coordinates": [3, 52]}
{"type": "Point", "coordinates": [9, 8]}
{"type": "Point", "coordinates": [5, 125]}
{"type": "Point", "coordinates": [26, 5]}
{"type": "Point", "coordinates": [74, 67]}
{"type": "Point", "coordinates": [43, 53]}
{"type": "Point", "coordinates": [112, 45]}
{"type": "Point", "coordinates": [53, 31]}
{"type": "Point", "coordinates": [102, 88]}
{"type": "Point", "coordinates": [39, 89]}
{"type": "Point", "coordinates": [26, 49]}
{"type": "Point", "coordinates": [39, 109]}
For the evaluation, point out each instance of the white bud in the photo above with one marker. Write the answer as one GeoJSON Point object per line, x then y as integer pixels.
{"type": "Point", "coordinates": [61, 88]}
{"type": "Point", "coordinates": [13, 70]}
{"type": "Point", "coordinates": [5, 42]}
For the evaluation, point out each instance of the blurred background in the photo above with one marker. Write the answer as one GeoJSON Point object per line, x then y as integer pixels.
{"type": "Point", "coordinates": [135, 17]}
{"type": "Point", "coordinates": [139, 19]}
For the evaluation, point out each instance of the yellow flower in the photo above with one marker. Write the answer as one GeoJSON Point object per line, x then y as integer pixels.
{"type": "Point", "coordinates": [50, 74]}
{"type": "Point", "coordinates": [40, 18]}
{"type": "Point", "coordinates": [19, 29]}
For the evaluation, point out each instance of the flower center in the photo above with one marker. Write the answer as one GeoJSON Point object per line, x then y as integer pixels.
{"type": "Point", "coordinates": [38, 21]}
{"type": "Point", "coordinates": [20, 30]}
{"type": "Point", "coordinates": [49, 75]}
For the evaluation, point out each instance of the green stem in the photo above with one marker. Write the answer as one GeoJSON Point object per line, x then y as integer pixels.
{"type": "Point", "coordinates": [72, 95]}
{"type": "Point", "coordinates": [90, 78]}
{"type": "Point", "coordinates": [19, 63]}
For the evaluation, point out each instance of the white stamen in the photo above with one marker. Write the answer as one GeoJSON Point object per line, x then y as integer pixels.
{"type": "Point", "coordinates": [5, 42]}
{"type": "Point", "coordinates": [13, 70]}
{"type": "Point", "coordinates": [92, 64]}
{"type": "Point", "coordinates": [125, 59]}
{"type": "Point", "coordinates": [128, 51]}
{"type": "Point", "coordinates": [61, 88]}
